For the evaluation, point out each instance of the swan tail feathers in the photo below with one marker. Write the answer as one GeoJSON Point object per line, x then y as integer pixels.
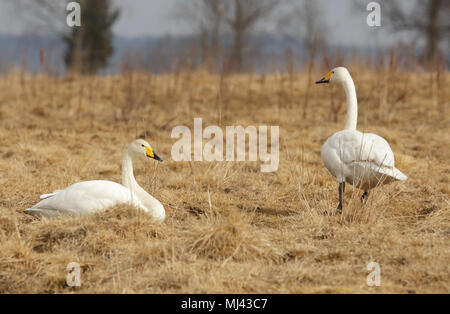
{"type": "Point", "coordinates": [392, 172]}
{"type": "Point", "coordinates": [399, 175]}
{"type": "Point", "coordinates": [44, 196]}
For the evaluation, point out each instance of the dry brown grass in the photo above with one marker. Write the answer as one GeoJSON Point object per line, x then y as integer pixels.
{"type": "Point", "coordinates": [229, 228]}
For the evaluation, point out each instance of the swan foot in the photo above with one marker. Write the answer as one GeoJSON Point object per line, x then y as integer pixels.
{"type": "Point", "coordinates": [339, 208]}
{"type": "Point", "coordinates": [364, 197]}
{"type": "Point", "coordinates": [338, 211]}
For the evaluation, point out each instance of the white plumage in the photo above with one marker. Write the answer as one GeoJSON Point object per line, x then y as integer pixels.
{"type": "Point", "coordinates": [361, 159]}
{"type": "Point", "coordinates": [364, 160]}
{"type": "Point", "coordinates": [87, 197]}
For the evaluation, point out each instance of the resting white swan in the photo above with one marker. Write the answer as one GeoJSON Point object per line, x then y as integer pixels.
{"type": "Point", "coordinates": [86, 197]}
{"type": "Point", "coordinates": [364, 160]}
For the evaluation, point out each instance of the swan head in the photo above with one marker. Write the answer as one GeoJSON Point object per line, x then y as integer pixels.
{"type": "Point", "coordinates": [141, 148]}
{"type": "Point", "coordinates": [336, 76]}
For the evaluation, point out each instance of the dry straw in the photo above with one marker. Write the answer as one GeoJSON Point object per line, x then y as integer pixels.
{"type": "Point", "coordinates": [230, 228]}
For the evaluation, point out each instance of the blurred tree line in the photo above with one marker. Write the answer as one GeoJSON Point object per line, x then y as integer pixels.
{"type": "Point", "coordinates": [224, 30]}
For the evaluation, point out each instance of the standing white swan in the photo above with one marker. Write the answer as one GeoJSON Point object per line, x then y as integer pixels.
{"type": "Point", "coordinates": [87, 197]}
{"type": "Point", "coordinates": [364, 160]}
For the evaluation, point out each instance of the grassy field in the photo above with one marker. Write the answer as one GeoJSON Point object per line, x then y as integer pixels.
{"type": "Point", "coordinates": [230, 228]}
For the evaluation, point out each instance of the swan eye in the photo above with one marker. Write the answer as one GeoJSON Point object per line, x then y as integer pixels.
{"type": "Point", "coordinates": [143, 145]}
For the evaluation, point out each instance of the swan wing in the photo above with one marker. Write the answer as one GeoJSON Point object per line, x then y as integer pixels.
{"type": "Point", "coordinates": [374, 149]}
{"type": "Point", "coordinates": [84, 198]}
{"type": "Point", "coordinates": [353, 146]}
{"type": "Point", "coordinates": [345, 149]}
{"type": "Point", "coordinates": [378, 153]}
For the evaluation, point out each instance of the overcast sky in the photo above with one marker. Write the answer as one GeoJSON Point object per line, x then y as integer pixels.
{"type": "Point", "coordinates": [153, 17]}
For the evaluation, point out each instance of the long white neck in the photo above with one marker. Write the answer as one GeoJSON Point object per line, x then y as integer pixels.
{"type": "Point", "coordinates": [128, 179]}
{"type": "Point", "coordinates": [150, 203]}
{"type": "Point", "coordinates": [352, 103]}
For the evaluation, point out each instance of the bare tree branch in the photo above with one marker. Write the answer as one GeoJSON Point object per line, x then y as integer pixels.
{"type": "Point", "coordinates": [213, 18]}
{"type": "Point", "coordinates": [428, 18]}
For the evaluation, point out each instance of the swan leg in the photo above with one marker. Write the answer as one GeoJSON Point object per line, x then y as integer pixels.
{"type": "Point", "coordinates": [341, 192]}
{"type": "Point", "coordinates": [364, 197]}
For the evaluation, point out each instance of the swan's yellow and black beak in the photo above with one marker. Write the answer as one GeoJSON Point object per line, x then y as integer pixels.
{"type": "Point", "coordinates": [149, 152]}
{"type": "Point", "coordinates": [325, 79]}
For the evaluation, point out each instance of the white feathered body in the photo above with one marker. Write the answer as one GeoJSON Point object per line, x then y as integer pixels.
{"type": "Point", "coordinates": [85, 198]}
{"type": "Point", "coordinates": [364, 160]}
